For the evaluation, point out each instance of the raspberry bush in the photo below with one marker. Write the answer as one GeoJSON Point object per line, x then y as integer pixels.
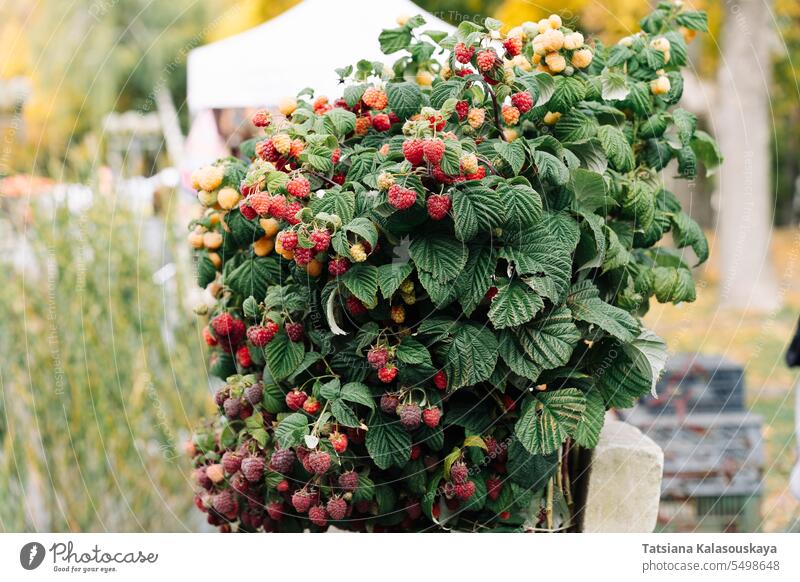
{"type": "Point", "coordinates": [428, 290]}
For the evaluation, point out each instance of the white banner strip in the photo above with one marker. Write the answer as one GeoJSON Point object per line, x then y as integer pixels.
{"type": "Point", "coordinates": [380, 557]}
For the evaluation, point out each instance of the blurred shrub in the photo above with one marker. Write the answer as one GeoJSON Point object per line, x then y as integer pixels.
{"type": "Point", "coordinates": [96, 397]}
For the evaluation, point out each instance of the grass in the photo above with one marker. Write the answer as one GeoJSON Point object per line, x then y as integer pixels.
{"type": "Point", "coordinates": [757, 341]}
{"type": "Point", "coordinates": [97, 397]}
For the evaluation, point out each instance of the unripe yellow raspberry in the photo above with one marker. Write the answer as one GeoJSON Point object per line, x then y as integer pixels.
{"type": "Point", "coordinates": [476, 117]}
{"type": "Point", "coordinates": [521, 62]}
{"type": "Point", "coordinates": [553, 40]}
{"type": "Point", "coordinates": [424, 78]}
{"type": "Point", "coordinates": [660, 86]}
{"type": "Point", "coordinates": [555, 62]}
{"type": "Point", "coordinates": [398, 314]}
{"type": "Point", "coordinates": [211, 177]}
{"type": "Point", "coordinates": [407, 286]}
{"type": "Point", "coordinates": [667, 56]}
{"type": "Point", "coordinates": [539, 47]}
{"type": "Point", "coordinates": [282, 143]}
{"type": "Point", "coordinates": [207, 198]}
{"type": "Point", "coordinates": [582, 58]}
{"type": "Point", "coordinates": [215, 472]}
{"type": "Point", "coordinates": [446, 72]}
{"type": "Point", "coordinates": [402, 19]}
{"type": "Point", "coordinates": [510, 115]}
{"type": "Point", "coordinates": [573, 41]}
{"type": "Point", "coordinates": [227, 198]}
{"type": "Point", "coordinates": [287, 106]}
{"type": "Point", "coordinates": [626, 41]}
{"type": "Point", "coordinates": [216, 260]}
{"type": "Point", "coordinates": [212, 240]}
{"type": "Point", "coordinates": [385, 181]}
{"type": "Point", "coordinates": [195, 179]}
{"type": "Point", "coordinates": [408, 298]}
{"type": "Point", "coordinates": [687, 34]}
{"type": "Point", "coordinates": [362, 125]}
{"type": "Point", "coordinates": [551, 117]}
{"type": "Point", "coordinates": [263, 246]}
{"type": "Point", "coordinates": [270, 226]}
{"type": "Point", "coordinates": [554, 20]}
{"type": "Point", "coordinates": [660, 44]}
{"type": "Point", "coordinates": [357, 253]}
{"type": "Point", "coordinates": [469, 164]}
{"type": "Point", "coordinates": [195, 240]}
{"type": "Point", "coordinates": [510, 134]}
{"type": "Point", "coordinates": [516, 32]}
{"type": "Point", "coordinates": [544, 25]}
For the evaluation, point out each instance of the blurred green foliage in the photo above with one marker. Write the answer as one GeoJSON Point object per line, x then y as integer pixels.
{"type": "Point", "coordinates": [97, 398]}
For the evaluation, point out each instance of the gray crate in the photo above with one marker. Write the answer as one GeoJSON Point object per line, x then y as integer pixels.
{"type": "Point", "coordinates": [693, 383]}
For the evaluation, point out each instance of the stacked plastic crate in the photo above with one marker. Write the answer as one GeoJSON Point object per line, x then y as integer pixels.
{"type": "Point", "coordinates": [713, 454]}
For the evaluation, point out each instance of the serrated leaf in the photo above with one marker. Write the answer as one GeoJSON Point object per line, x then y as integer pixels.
{"type": "Point", "coordinates": [358, 393]}
{"type": "Point", "coordinates": [549, 339]}
{"type": "Point", "coordinates": [291, 430]}
{"type": "Point", "coordinates": [512, 153]}
{"type": "Point", "coordinates": [585, 303]}
{"type": "Point", "coordinates": [387, 443]}
{"type": "Point", "coordinates": [391, 276]}
{"type": "Point", "coordinates": [514, 304]}
{"type": "Point", "coordinates": [548, 418]}
{"type": "Point", "coordinates": [567, 92]}
{"type": "Point", "coordinates": [411, 351]}
{"type": "Point", "coordinates": [362, 281]}
{"type": "Point", "coordinates": [405, 98]}
{"type": "Point", "coordinates": [587, 434]}
{"type": "Point", "coordinates": [523, 205]}
{"type": "Point", "coordinates": [364, 228]}
{"type": "Point", "coordinates": [515, 357]}
{"type": "Point", "coordinates": [283, 356]}
{"type": "Point", "coordinates": [614, 85]}
{"type": "Point", "coordinates": [575, 126]}
{"type": "Point", "coordinates": [476, 208]}
{"type": "Point", "coordinates": [471, 356]}
{"type": "Point", "coordinates": [616, 146]}
{"type": "Point", "coordinates": [439, 255]}
{"type": "Point", "coordinates": [476, 278]}
{"type": "Point", "coordinates": [686, 232]}
{"type": "Point", "coordinates": [344, 414]}
{"type": "Point", "coordinates": [550, 168]}
{"type": "Point", "coordinates": [339, 121]}
{"type": "Point", "coordinates": [254, 275]}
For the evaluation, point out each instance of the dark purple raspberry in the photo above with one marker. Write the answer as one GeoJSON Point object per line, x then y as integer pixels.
{"type": "Point", "coordinates": [389, 403]}
{"type": "Point", "coordinates": [231, 462]}
{"type": "Point", "coordinates": [337, 508]}
{"type": "Point", "coordinates": [282, 460]}
{"type": "Point", "coordinates": [410, 415]}
{"type": "Point", "coordinates": [295, 331]}
{"type": "Point", "coordinates": [253, 468]}
{"type": "Point", "coordinates": [225, 503]}
{"type": "Point", "coordinates": [221, 395]}
{"type": "Point", "coordinates": [232, 408]}
{"type": "Point", "coordinates": [275, 510]}
{"type": "Point", "coordinates": [319, 462]}
{"type": "Point", "coordinates": [253, 394]}
{"type": "Point", "coordinates": [459, 473]}
{"type": "Point", "coordinates": [378, 356]}
{"type": "Point", "coordinates": [348, 481]}
{"type": "Point", "coordinates": [318, 516]}
{"type": "Point", "coordinates": [301, 500]}
{"type": "Point", "coordinates": [239, 483]}
{"type": "Point", "coordinates": [202, 478]}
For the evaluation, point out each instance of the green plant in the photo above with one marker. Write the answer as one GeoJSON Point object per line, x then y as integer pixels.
{"type": "Point", "coordinates": [458, 266]}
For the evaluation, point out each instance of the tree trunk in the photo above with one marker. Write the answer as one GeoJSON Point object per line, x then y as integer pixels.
{"type": "Point", "coordinates": [743, 128]}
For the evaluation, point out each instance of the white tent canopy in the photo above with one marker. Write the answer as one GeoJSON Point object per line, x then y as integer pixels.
{"type": "Point", "coordinates": [300, 48]}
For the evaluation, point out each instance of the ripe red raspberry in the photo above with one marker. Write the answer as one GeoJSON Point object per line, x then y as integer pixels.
{"type": "Point", "coordinates": [522, 101]}
{"type": "Point", "coordinates": [295, 399]}
{"type": "Point", "coordinates": [374, 98]}
{"type": "Point", "coordinates": [336, 155]}
{"type": "Point", "coordinates": [431, 416]}
{"type": "Point", "coordinates": [299, 187]}
{"type": "Point", "coordinates": [239, 483]}
{"type": "Point", "coordinates": [277, 206]}
{"type": "Point", "coordinates": [413, 151]}
{"type": "Point", "coordinates": [259, 336]}
{"type": "Point", "coordinates": [288, 239]}
{"type": "Point", "coordinates": [247, 211]}
{"type": "Point", "coordinates": [319, 462]}
{"type": "Point", "coordinates": [208, 337]}
{"type": "Point", "coordinates": [296, 148]}
{"type": "Point", "coordinates": [479, 175]}
{"type": "Point", "coordinates": [303, 256]}
{"type": "Point", "coordinates": [231, 462]}
{"type": "Point", "coordinates": [338, 266]}
{"type": "Point", "coordinates": [438, 206]}
{"type": "Point", "coordinates": [318, 516]}
{"type": "Point", "coordinates": [321, 239]}
{"type": "Point", "coordinates": [486, 59]}
{"type": "Point", "coordinates": [294, 330]}
{"type": "Point", "coordinates": [266, 151]}
{"type": "Point", "coordinates": [464, 491]}
{"type": "Point", "coordinates": [254, 394]}
{"type": "Point", "coordinates": [290, 214]}
{"type": "Point", "coordinates": [338, 441]}
{"type": "Point", "coordinates": [387, 374]}
{"type": "Point", "coordinates": [459, 473]}
{"type": "Point", "coordinates": [434, 150]}
{"type": "Point", "coordinates": [225, 504]}
{"type": "Point", "coordinates": [494, 487]}
{"type": "Point", "coordinates": [402, 198]}
{"type": "Point", "coordinates": [381, 122]}
{"type": "Point", "coordinates": [282, 460]}
{"type": "Point", "coordinates": [509, 403]}
{"type": "Point", "coordinates": [440, 380]}
{"type": "Point", "coordinates": [377, 356]}
{"type": "Point", "coordinates": [513, 46]}
{"type": "Point", "coordinates": [223, 324]}
{"type": "Point", "coordinates": [348, 481]}
{"type": "Point", "coordinates": [463, 53]}
{"type": "Point", "coordinates": [312, 405]}
{"type": "Point", "coordinates": [355, 306]}
{"type": "Point", "coordinates": [243, 357]}
{"type": "Point", "coordinates": [302, 499]}
{"type": "Point", "coordinates": [416, 452]}
{"type": "Point", "coordinates": [261, 118]}
{"type": "Point", "coordinates": [253, 468]}
{"type": "Point", "coordinates": [337, 508]}
{"type": "Point", "coordinates": [389, 403]}
{"type": "Point", "coordinates": [410, 415]}
{"type": "Point", "coordinates": [462, 109]}
{"type": "Point", "coordinates": [232, 408]}
{"type": "Point", "coordinates": [275, 510]}
{"type": "Point", "coordinates": [436, 121]}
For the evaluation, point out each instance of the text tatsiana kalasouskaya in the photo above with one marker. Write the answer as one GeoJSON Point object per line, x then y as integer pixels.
{"type": "Point", "coordinates": [750, 548]}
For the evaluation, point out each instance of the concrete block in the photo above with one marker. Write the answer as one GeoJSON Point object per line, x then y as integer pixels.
{"type": "Point", "coordinates": [624, 485]}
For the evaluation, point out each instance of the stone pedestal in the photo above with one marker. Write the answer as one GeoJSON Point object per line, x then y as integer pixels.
{"type": "Point", "coordinates": [624, 481]}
